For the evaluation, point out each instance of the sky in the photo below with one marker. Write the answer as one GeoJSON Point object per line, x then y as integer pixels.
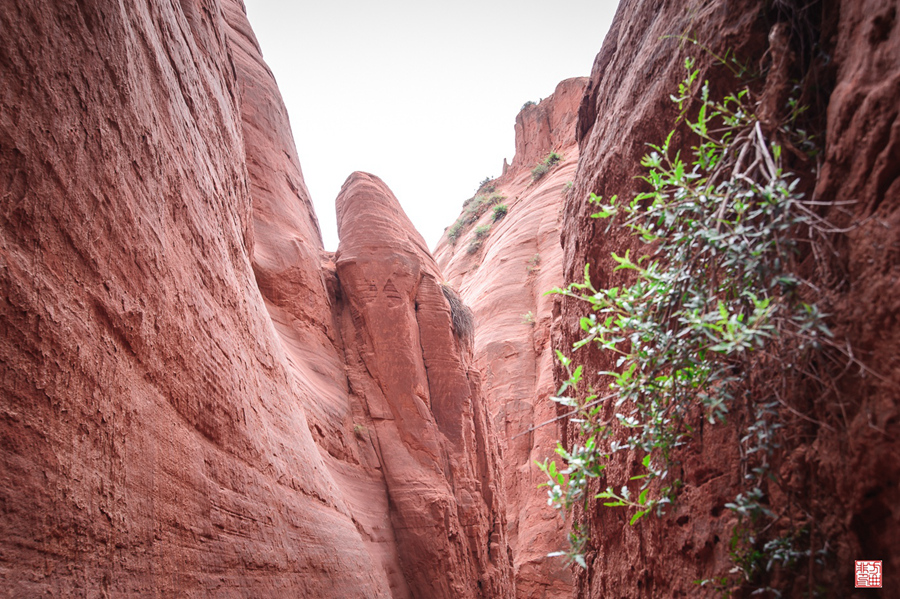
{"type": "Point", "coordinates": [423, 94]}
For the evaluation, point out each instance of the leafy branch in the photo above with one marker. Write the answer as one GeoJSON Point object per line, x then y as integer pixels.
{"type": "Point", "coordinates": [712, 292]}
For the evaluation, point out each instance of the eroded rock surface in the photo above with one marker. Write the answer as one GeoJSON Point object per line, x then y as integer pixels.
{"type": "Point", "coordinates": [176, 416]}
{"type": "Point", "coordinates": [841, 459]}
{"type": "Point", "coordinates": [152, 437]}
{"type": "Point", "coordinates": [504, 282]}
{"type": "Point", "coordinates": [424, 409]}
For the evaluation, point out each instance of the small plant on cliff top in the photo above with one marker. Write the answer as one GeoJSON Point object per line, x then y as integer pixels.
{"type": "Point", "coordinates": [711, 293]}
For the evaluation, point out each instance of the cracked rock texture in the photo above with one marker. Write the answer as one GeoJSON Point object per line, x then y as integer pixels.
{"type": "Point", "coordinates": [839, 462]}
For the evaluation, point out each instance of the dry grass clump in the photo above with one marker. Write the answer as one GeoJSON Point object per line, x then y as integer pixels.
{"type": "Point", "coordinates": [460, 314]}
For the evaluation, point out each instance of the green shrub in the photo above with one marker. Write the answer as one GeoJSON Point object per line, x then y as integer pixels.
{"type": "Point", "coordinates": [712, 293]}
{"type": "Point", "coordinates": [499, 212]}
{"type": "Point", "coordinates": [527, 104]}
{"type": "Point", "coordinates": [545, 165]}
{"type": "Point", "coordinates": [478, 238]}
{"type": "Point", "coordinates": [539, 171]}
{"type": "Point", "coordinates": [473, 209]}
{"type": "Point", "coordinates": [482, 232]}
{"type": "Point", "coordinates": [454, 232]}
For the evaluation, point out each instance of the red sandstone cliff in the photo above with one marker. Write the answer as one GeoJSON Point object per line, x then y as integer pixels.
{"type": "Point", "coordinates": [839, 461]}
{"type": "Point", "coordinates": [421, 401]}
{"type": "Point", "coordinates": [504, 283]}
{"type": "Point", "coordinates": [152, 439]}
{"type": "Point", "coordinates": [196, 400]}
{"type": "Point", "coordinates": [183, 407]}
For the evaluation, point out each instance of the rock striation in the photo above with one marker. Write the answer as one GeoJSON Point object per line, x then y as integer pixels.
{"type": "Point", "coordinates": [424, 410]}
{"type": "Point", "coordinates": [840, 460]}
{"type": "Point", "coordinates": [184, 400]}
{"type": "Point", "coordinates": [504, 282]}
{"type": "Point", "coordinates": [153, 442]}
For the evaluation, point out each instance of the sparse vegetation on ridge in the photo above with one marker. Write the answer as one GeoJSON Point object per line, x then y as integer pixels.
{"type": "Point", "coordinates": [473, 209]}
{"type": "Point", "coordinates": [485, 186]}
{"type": "Point", "coordinates": [478, 238]}
{"type": "Point", "coordinates": [545, 165]}
{"type": "Point", "coordinates": [499, 212]}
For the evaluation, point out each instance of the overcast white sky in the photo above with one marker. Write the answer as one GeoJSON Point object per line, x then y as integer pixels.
{"type": "Point", "coordinates": [423, 94]}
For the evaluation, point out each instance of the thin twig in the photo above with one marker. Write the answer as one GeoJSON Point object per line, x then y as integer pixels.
{"type": "Point", "coordinates": [572, 413]}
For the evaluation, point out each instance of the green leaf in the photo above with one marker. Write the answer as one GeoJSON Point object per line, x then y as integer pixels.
{"type": "Point", "coordinates": [642, 498]}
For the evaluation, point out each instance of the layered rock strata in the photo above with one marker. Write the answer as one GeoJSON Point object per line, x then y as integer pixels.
{"type": "Point", "coordinates": [505, 283]}
{"type": "Point", "coordinates": [176, 414]}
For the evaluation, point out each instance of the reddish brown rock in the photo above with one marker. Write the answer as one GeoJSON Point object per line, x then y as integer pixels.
{"type": "Point", "coordinates": [153, 440]}
{"type": "Point", "coordinates": [422, 404]}
{"type": "Point", "coordinates": [845, 472]}
{"type": "Point", "coordinates": [547, 125]}
{"type": "Point", "coordinates": [504, 283]}
{"type": "Point", "coordinates": [297, 281]}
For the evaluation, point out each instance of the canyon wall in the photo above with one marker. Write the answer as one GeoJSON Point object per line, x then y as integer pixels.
{"type": "Point", "coordinates": [504, 283]}
{"type": "Point", "coordinates": [185, 398]}
{"type": "Point", "coordinates": [838, 460]}
{"type": "Point", "coordinates": [197, 400]}
{"type": "Point", "coordinates": [423, 410]}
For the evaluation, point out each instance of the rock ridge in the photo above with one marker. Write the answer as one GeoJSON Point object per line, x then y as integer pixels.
{"type": "Point", "coordinates": [424, 401]}
{"type": "Point", "coordinates": [504, 282]}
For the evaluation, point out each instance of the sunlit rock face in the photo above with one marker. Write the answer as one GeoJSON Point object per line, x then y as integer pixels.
{"type": "Point", "coordinates": [504, 282]}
